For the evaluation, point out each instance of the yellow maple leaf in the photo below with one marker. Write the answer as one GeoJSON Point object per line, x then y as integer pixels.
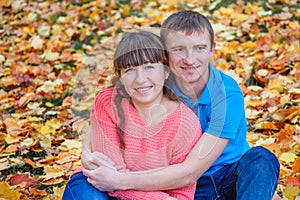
{"type": "Point", "coordinates": [11, 139]}
{"type": "Point", "coordinates": [172, 3]}
{"type": "Point", "coordinates": [249, 45]}
{"type": "Point", "coordinates": [8, 194]}
{"type": "Point", "coordinates": [72, 144]}
{"type": "Point", "coordinates": [54, 123]}
{"type": "Point", "coordinates": [291, 191]}
{"type": "Point", "coordinates": [287, 157]}
{"type": "Point", "coordinates": [45, 141]}
{"type": "Point", "coordinates": [126, 10]}
{"type": "Point", "coordinates": [52, 172]}
{"type": "Point", "coordinates": [275, 84]}
{"type": "Point", "coordinates": [28, 142]}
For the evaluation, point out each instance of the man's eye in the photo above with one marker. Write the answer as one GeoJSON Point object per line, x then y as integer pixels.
{"type": "Point", "coordinates": [200, 48]}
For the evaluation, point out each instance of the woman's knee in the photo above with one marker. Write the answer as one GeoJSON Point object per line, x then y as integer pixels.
{"type": "Point", "coordinates": [78, 188]}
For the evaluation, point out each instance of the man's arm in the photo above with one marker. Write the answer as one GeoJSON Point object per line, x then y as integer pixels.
{"type": "Point", "coordinates": [203, 155]}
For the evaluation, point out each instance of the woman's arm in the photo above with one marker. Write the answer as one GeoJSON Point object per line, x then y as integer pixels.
{"type": "Point", "coordinates": [203, 155]}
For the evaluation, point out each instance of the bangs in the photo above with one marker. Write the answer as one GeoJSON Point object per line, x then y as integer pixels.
{"type": "Point", "coordinates": [139, 57]}
{"type": "Point", "coordinates": [138, 48]}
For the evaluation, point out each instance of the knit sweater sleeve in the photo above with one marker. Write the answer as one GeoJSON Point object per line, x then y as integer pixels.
{"type": "Point", "coordinates": [104, 123]}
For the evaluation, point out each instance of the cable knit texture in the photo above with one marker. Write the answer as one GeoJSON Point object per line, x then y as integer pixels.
{"type": "Point", "coordinates": [146, 147]}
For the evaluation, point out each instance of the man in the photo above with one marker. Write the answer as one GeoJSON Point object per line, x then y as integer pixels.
{"type": "Point", "coordinates": [222, 163]}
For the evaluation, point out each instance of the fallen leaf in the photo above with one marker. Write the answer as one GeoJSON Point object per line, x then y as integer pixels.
{"type": "Point", "coordinates": [70, 144]}
{"type": "Point", "coordinates": [287, 157]}
{"type": "Point", "coordinates": [291, 191]}
{"type": "Point", "coordinates": [52, 172]}
{"type": "Point", "coordinates": [13, 128]}
{"type": "Point", "coordinates": [8, 194]}
{"type": "Point", "coordinates": [20, 178]}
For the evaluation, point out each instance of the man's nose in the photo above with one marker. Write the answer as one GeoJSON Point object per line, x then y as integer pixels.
{"type": "Point", "coordinates": [189, 57]}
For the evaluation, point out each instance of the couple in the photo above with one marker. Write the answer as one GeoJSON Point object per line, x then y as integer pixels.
{"type": "Point", "coordinates": [154, 140]}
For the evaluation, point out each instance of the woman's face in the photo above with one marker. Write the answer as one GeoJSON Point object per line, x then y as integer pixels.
{"type": "Point", "coordinates": [145, 83]}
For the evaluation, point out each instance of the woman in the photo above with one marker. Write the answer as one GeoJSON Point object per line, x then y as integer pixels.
{"type": "Point", "coordinates": [139, 123]}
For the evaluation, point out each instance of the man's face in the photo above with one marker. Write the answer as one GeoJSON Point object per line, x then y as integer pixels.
{"type": "Point", "coordinates": [189, 56]}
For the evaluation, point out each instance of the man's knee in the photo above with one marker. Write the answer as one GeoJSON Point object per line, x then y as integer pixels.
{"type": "Point", "coordinates": [261, 158]}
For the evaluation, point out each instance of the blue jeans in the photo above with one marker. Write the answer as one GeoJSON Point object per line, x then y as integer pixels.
{"type": "Point", "coordinates": [253, 177]}
{"type": "Point", "coordinates": [79, 189]}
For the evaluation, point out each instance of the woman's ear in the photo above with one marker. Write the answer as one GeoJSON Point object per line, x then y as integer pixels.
{"type": "Point", "coordinates": [167, 71]}
{"type": "Point", "coordinates": [167, 75]}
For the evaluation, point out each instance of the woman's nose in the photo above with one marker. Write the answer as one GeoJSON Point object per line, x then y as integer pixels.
{"type": "Point", "coordinates": [140, 74]}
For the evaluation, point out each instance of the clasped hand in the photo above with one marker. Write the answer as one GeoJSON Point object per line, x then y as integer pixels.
{"type": "Point", "coordinates": [99, 169]}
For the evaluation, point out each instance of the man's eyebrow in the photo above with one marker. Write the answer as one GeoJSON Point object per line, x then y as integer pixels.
{"type": "Point", "coordinates": [200, 45]}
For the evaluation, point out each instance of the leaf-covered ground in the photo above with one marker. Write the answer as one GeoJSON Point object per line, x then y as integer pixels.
{"type": "Point", "coordinates": [55, 55]}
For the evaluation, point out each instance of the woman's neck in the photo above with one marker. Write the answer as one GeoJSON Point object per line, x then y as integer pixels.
{"type": "Point", "coordinates": [155, 113]}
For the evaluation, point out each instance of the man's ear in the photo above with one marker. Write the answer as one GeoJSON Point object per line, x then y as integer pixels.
{"type": "Point", "coordinates": [212, 50]}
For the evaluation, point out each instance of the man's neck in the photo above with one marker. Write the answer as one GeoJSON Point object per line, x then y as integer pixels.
{"type": "Point", "coordinates": [192, 90]}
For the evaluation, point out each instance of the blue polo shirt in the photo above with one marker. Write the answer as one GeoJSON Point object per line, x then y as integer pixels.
{"type": "Point", "coordinates": [221, 111]}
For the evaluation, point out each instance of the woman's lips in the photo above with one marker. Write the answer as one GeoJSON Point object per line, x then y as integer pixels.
{"type": "Point", "coordinates": [143, 90]}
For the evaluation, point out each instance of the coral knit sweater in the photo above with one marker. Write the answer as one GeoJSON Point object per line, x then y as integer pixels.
{"type": "Point", "coordinates": [146, 147]}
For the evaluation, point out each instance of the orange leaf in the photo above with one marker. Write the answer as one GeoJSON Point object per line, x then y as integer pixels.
{"type": "Point", "coordinates": [30, 162]}
{"type": "Point", "coordinates": [34, 191]}
{"type": "Point", "coordinates": [296, 166]}
{"type": "Point", "coordinates": [53, 181]}
{"type": "Point", "coordinates": [274, 147]}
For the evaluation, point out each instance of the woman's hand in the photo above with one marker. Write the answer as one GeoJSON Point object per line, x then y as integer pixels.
{"type": "Point", "coordinates": [104, 178]}
{"type": "Point", "coordinates": [99, 169]}
{"type": "Point", "coordinates": [93, 160]}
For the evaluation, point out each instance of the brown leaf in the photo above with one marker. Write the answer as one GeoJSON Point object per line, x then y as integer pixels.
{"type": "Point", "coordinates": [20, 178]}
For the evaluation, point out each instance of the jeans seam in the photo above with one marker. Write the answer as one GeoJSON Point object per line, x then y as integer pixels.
{"type": "Point", "coordinates": [215, 187]}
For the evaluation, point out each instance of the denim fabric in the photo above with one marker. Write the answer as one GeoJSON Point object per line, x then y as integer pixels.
{"type": "Point", "coordinates": [79, 189]}
{"type": "Point", "coordinates": [253, 177]}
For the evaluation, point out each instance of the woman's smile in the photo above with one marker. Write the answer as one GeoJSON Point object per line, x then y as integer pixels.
{"type": "Point", "coordinates": [144, 89]}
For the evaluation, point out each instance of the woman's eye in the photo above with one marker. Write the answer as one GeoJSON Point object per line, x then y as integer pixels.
{"type": "Point", "coordinates": [128, 70]}
{"type": "Point", "coordinates": [149, 67]}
